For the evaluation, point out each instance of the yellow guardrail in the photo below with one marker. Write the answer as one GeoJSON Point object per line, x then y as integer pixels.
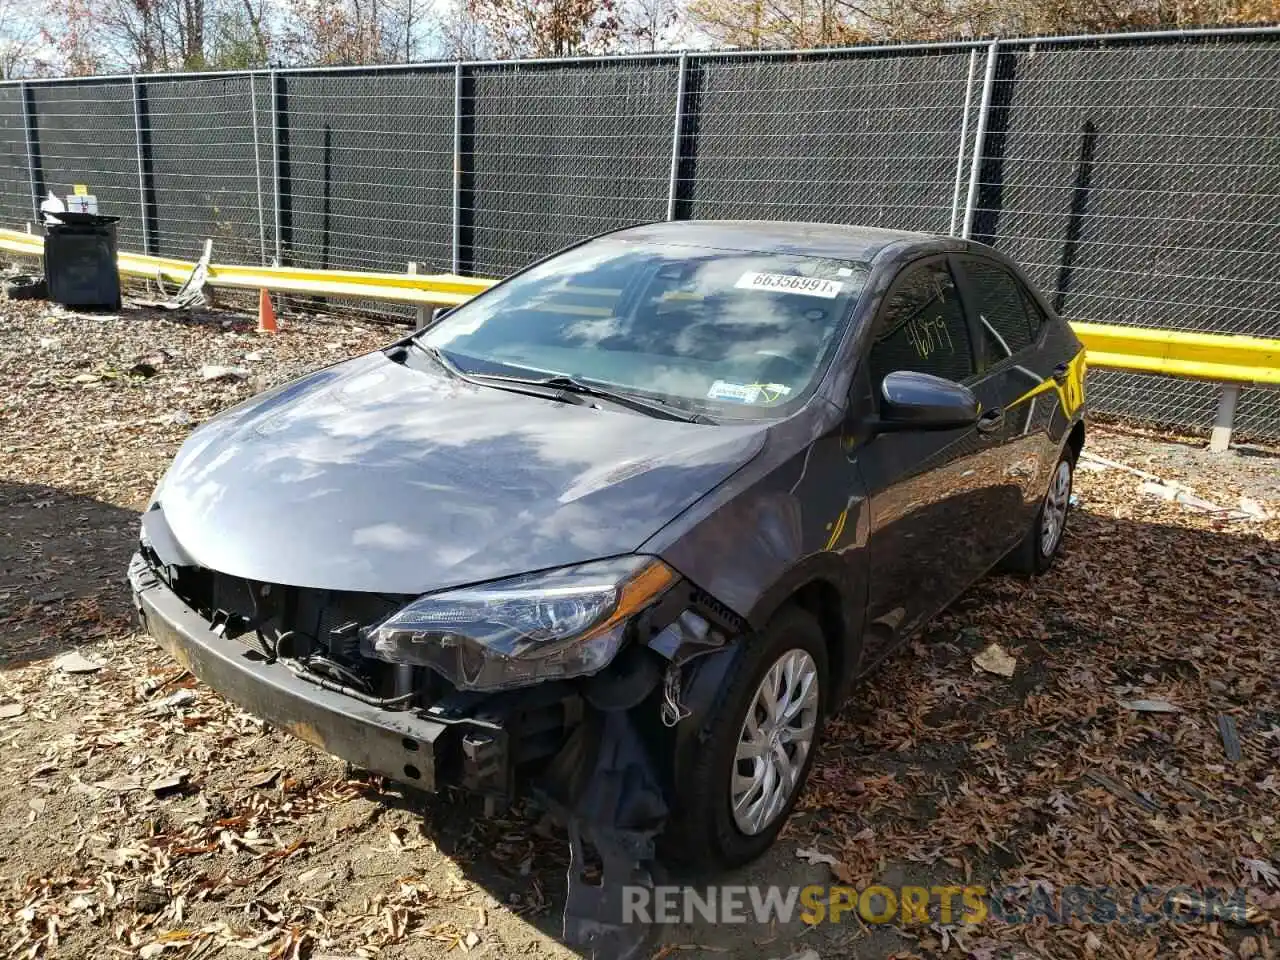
{"type": "Point", "coordinates": [1207, 356]}
{"type": "Point", "coordinates": [1222, 358]}
{"type": "Point", "coordinates": [439, 290]}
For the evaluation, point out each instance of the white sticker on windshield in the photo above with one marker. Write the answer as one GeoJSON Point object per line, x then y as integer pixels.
{"type": "Point", "coordinates": [736, 392]}
{"type": "Point", "coordinates": [786, 283]}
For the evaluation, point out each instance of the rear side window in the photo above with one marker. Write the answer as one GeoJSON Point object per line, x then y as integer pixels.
{"type": "Point", "coordinates": [1035, 315]}
{"type": "Point", "coordinates": [922, 327]}
{"type": "Point", "coordinates": [1004, 317]}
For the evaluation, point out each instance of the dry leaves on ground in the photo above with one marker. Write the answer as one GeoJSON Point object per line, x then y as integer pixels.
{"type": "Point", "coordinates": [141, 815]}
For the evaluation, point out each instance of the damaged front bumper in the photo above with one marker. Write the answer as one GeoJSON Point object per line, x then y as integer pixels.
{"type": "Point", "coordinates": [477, 742]}
{"type": "Point", "coordinates": [396, 744]}
{"type": "Point", "coordinates": [597, 772]}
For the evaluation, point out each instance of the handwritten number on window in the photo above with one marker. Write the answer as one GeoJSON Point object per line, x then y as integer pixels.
{"type": "Point", "coordinates": [928, 334]}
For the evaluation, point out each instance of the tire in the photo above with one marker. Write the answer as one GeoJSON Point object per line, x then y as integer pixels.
{"type": "Point", "coordinates": [703, 831]}
{"type": "Point", "coordinates": [1040, 547]}
{"type": "Point", "coordinates": [26, 288]}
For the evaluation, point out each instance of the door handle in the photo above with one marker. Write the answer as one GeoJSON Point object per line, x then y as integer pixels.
{"type": "Point", "coordinates": [1061, 372]}
{"type": "Point", "coordinates": [991, 420]}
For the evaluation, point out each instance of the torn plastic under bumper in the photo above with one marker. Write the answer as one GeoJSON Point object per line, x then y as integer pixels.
{"type": "Point", "coordinates": [603, 786]}
{"type": "Point", "coordinates": [399, 745]}
{"type": "Point", "coordinates": [606, 785]}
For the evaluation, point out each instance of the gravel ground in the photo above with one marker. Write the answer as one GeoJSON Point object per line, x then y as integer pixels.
{"type": "Point", "coordinates": [141, 815]}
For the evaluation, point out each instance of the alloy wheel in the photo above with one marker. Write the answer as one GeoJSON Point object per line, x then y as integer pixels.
{"type": "Point", "coordinates": [1056, 502]}
{"type": "Point", "coordinates": [774, 744]}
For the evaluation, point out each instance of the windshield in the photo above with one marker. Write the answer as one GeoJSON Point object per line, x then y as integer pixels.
{"type": "Point", "coordinates": [733, 333]}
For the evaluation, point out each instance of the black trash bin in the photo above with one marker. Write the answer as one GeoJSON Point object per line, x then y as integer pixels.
{"type": "Point", "coordinates": [80, 261]}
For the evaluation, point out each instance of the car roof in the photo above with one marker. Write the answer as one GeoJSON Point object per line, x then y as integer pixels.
{"type": "Point", "coordinates": [834, 240]}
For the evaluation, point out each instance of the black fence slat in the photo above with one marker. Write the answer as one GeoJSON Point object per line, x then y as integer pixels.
{"type": "Point", "coordinates": [85, 135]}
{"type": "Point", "coordinates": [1136, 178]}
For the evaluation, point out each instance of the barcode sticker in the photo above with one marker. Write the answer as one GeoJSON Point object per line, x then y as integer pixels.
{"type": "Point", "coordinates": [786, 283]}
{"type": "Point", "coordinates": [734, 392]}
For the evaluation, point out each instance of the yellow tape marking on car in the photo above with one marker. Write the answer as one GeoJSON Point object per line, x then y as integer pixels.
{"type": "Point", "coordinates": [1070, 392]}
{"type": "Point", "coordinates": [838, 531]}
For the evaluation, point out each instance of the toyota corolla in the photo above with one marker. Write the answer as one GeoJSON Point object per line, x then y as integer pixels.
{"type": "Point", "coordinates": [627, 527]}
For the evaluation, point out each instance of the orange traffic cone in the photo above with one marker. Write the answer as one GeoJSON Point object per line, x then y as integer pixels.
{"type": "Point", "coordinates": [266, 313]}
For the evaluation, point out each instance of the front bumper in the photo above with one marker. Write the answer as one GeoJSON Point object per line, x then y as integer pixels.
{"type": "Point", "coordinates": [399, 745]}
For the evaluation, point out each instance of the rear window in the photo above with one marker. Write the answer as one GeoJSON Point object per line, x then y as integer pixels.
{"type": "Point", "coordinates": [735, 333]}
{"type": "Point", "coordinates": [1003, 317]}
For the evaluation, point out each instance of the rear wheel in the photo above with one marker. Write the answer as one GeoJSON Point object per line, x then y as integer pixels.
{"type": "Point", "coordinates": [1038, 549]}
{"type": "Point", "coordinates": [734, 792]}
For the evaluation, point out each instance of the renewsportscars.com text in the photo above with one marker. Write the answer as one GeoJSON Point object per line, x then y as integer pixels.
{"type": "Point", "coordinates": [970, 904]}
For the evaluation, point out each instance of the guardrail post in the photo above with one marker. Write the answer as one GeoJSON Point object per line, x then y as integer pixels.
{"type": "Point", "coordinates": [980, 136]}
{"type": "Point", "coordinates": [1220, 438]}
{"type": "Point", "coordinates": [144, 204]}
{"type": "Point", "coordinates": [421, 316]}
{"type": "Point", "coordinates": [257, 168]}
{"type": "Point", "coordinates": [29, 135]}
{"type": "Point", "coordinates": [677, 129]}
{"type": "Point", "coordinates": [275, 160]}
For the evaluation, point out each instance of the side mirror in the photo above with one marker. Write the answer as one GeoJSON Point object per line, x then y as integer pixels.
{"type": "Point", "coordinates": [921, 401]}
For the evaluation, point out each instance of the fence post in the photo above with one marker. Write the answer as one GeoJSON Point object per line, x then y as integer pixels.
{"type": "Point", "coordinates": [143, 205]}
{"type": "Point", "coordinates": [457, 169]}
{"type": "Point", "coordinates": [275, 159]}
{"type": "Point", "coordinates": [980, 136]}
{"type": "Point", "coordinates": [257, 169]}
{"type": "Point", "coordinates": [677, 127]}
{"type": "Point", "coordinates": [28, 127]}
{"type": "Point", "coordinates": [964, 135]}
{"type": "Point", "coordinates": [1220, 437]}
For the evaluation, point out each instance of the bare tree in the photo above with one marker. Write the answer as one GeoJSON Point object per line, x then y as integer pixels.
{"type": "Point", "coordinates": [546, 28]}
{"type": "Point", "coordinates": [756, 24]}
{"type": "Point", "coordinates": [355, 31]}
{"type": "Point", "coordinates": [132, 34]}
{"type": "Point", "coordinates": [460, 36]}
{"type": "Point", "coordinates": [70, 37]}
{"type": "Point", "coordinates": [20, 39]}
{"type": "Point", "coordinates": [408, 23]}
{"type": "Point", "coordinates": [805, 23]}
{"type": "Point", "coordinates": [650, 25]}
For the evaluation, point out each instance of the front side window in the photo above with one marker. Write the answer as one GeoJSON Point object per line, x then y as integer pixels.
{"type": "Point", "coordinates": [1002, 309]}
{"type": "Point", "coordinates": [737, 334]}
{"type": "Point", "coordinates": [922, 327]}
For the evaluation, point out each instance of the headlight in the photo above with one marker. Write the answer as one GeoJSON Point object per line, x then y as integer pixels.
{"type": "Point", "coordinates": [155, 494]}
{"type": "Point", "coordinates": [510, 633]}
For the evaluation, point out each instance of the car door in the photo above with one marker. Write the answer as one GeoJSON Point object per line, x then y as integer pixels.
{"type": "Point", "coordinates": [1017, 376]}
{"type": "Point", "coordinates": [928, 491]}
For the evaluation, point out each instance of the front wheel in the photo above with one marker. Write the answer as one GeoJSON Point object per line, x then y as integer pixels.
{"type": "Point", "coordinates": [734, 793]}
{"type": "Point", "coordinates": [1038, 549]}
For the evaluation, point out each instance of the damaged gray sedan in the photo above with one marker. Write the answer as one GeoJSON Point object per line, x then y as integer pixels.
{"type": "Point", "coordinates": [623, 530]}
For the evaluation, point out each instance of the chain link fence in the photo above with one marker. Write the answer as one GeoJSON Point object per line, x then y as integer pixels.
{"type": "Point", "coordinates": [1139, 183]}
{"type": "Point", "coordinates": [1136, 176]}
{"type": "Point", "coordinates": [847, 138]}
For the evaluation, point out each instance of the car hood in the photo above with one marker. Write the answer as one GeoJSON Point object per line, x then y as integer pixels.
{"type": "Point", "coordinates": [371, 476]}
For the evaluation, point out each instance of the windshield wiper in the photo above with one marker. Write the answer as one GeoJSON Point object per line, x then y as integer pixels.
{"type": "Point", "coordinates": [438, 355]}
{"type": "Point", "coordinates": [564, 388]}
{"type": "Point", "coordinates": [510, 384]}
{"type": "Point", "coordinates": [569, 385]}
